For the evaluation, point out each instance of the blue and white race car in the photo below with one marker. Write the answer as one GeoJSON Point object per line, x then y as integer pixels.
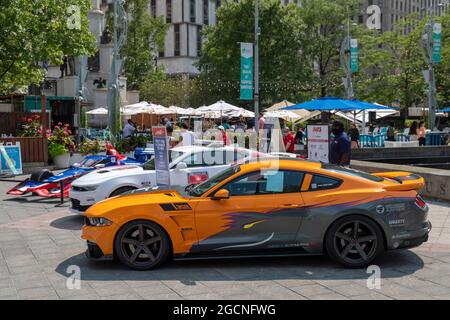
{"type": "Point", "coordinates": [45, 183]}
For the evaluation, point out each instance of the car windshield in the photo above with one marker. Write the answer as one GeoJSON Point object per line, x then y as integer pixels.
{"type": "Point", "coordinates": [352, 172]}
{"type": "Point", "coordinates": [89, 162]}
{"type": "Point", "coordinates": [199, 189]}
{"type": "Point", "coordinates": [150, 164]}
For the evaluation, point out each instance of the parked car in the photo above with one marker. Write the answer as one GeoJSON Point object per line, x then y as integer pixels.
{"type": "Point", "coordinates": [251, 210]}
{"type": "Point", "coordinates": [45, 183]}
{"type": "Point", "coordinates": [188, 165]}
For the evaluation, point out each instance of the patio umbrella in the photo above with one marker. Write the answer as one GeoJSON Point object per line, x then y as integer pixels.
{"type": "Point", "coordinates": [178, 110]}
{"type": "Point", "coordinates": [332, 103]}
{"type": "Point", "coordinates": [280, 105]}
{"type": "Point", "coordinates": [445, 110]}
{"type": "Point", "coordinates": [220, 106]}
{"type": "Point", "coordinates": [284, 114]}
{"type": "Point", "coordinates": [100, 110]}
{"type": "Point", "coordinates": [241, 113]}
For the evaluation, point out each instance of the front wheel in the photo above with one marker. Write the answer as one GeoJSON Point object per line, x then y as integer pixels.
{"type": "Point", "coordinates": [354, 241]}
{"type": "Point", "coordinates": [142, 245]}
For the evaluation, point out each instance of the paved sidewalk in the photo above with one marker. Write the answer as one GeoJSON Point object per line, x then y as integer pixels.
{"type": "Point", "coordinates": [39, 242]}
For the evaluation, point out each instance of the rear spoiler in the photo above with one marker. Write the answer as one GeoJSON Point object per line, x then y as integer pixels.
{"type": "Point", "coordinates": [407, 180]}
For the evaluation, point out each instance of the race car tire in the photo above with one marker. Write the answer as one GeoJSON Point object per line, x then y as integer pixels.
{"type": "Point", "coordinates": [121, 191]}
{"type": "Point", "coordinates": [40, 175]}
{"type": "Point", "coordinates": [142, 245]}
{"type": "Point", "coordinates": [354, 241]}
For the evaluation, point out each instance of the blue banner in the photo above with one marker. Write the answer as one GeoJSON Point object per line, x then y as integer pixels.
{"type": "Point", "coordinates": [161, 147]}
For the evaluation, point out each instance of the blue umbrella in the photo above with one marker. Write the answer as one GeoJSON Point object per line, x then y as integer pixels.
{"type": "Point", "coordinates": [332, 103]}
{"type": "Point", "coordinates": [445, 110]}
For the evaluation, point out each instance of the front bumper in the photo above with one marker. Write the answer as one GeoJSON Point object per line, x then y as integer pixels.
{"type": "Point", "coordinates": [94, 252]}
{"type": "Point", "coordinates": [101, 237]}
{"type": "Point", "coordinates": [76, 207]}
{"type": "Point", "coordinates": [83, 198]}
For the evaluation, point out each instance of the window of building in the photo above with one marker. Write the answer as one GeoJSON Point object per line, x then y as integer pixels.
{"type": "Point", "coordinates": [168, 11]}
{"type": "Point", "coordinates": [199, 41]}
{"type": "Point", "coordinates": [205, 12]}
{"type": "Point", "coordinates": [153, 8]}
{"type": "Point", "coordinates": [176, 29]}
{"type": "Point", "coordinates": [192, 10]}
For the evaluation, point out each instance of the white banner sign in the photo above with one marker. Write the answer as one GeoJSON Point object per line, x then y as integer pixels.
{"type": "Point", "coordinates": [318, 137]}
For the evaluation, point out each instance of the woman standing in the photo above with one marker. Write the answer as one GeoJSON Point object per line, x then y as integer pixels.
{"type": "Point", "coordinates": [422, 133]}
{"type": "Point", "coordinates": [413, 132]}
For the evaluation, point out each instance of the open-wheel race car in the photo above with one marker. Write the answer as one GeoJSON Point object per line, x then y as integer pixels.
{"type": "Point", "coordinates": [45, 183]}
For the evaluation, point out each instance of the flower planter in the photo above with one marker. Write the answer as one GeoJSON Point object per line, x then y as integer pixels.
{"type": "Point", "coordinates": [62, 161]}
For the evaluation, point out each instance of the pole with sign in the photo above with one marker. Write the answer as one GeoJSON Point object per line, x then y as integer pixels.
{"type": "Point", "coordinates": [437, 42]}
{"type": "Point", "coordinates": [354, 65]}
{"type": "Point", "coordinates": [246, 86]}
{"type": "Point", "coordinates": [161, 147]}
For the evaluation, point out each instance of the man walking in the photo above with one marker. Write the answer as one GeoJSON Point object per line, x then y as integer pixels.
{"type": "Point", "coordinates": [340, 146]}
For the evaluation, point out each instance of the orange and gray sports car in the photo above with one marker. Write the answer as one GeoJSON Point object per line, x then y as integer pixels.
{"type": "Point", "coordinates": [265, 208]}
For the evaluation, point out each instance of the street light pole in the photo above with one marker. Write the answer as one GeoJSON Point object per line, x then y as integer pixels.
{"type": "Point", "coordinates": [256, 66]}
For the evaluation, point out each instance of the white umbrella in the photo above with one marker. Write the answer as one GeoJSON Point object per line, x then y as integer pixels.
{"type": "Point", "coordinates": [178, 110]}
{"type": "Point", "coordinates": [285, 114]}
{"type": "Point", "coordinates": [100, 110]}
{"type": "Point", "coordinates": [241, 113]}
{"type": "Point", "coordinates": [220, 106]}
{"type": "Point", "coordinates": [192, 112]}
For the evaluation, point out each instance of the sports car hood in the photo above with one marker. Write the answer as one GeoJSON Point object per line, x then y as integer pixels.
{"type": "Point", "coordinates": [99, 176]}
{"type": "Point", "coordinates": [164, 199]}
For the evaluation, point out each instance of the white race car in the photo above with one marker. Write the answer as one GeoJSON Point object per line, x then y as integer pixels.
{"type": "Point", "coordinates": [188, 165]}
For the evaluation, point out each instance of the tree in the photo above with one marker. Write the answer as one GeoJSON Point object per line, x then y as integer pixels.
{"type": "Point", "coordinates": [325, 28]}
{"type": "Point", "coordinates": [145, 35]}
{"type": "Point", "coordinates": [283, 68]}
{"type": "Point", "coordinates": [393, 66]}
{"type": "Point", "coordinates": [33, 32]}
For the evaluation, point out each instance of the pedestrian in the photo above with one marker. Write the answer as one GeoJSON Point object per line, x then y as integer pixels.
{"type": "Point", "coordinates": [390, 133]}
{"type": "Point", "coordinates": [288, 139]}
{"type": "Point", "coordinates": [298, 139]}
{"type": "Point", "coordinates": [413, 132]}
{"type": "Point", "coordinates": [225, 124]}
{"type": "Point", "coordinates": [354, 136]}
{"type": "Point", "coordinates": [262, 121]}
{"type": "Point", "coordinates": [129, 129]}
{"type": "Point", "coordinates": [340, 146]}
{"type": "Point", "coordinates": [170, 139]}
{"type": "Point", "coordinates": [187, 137]}
{"type": "Point", "coordinates": [422, 133]}
{"type": "Point", "coordinates": [225, 139]}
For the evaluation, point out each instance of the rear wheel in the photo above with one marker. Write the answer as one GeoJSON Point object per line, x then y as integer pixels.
{"type": "Point", "coordinates": [354, 241]}
{"type": "Point", "coordinates": [121, 191]}
{"type": "Point", "coordinates": [40, 175]}
{"type": "Point", "coordinates": [142, 245]}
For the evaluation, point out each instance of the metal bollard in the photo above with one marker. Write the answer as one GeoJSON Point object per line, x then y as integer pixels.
{"type": "Point", "coordinates": [61, 189]}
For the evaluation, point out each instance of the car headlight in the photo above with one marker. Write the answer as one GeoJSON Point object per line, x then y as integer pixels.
{"type": "Point", "coordinates": [84, 188]}
{"type": "Point", "coordinates": [98, 222]}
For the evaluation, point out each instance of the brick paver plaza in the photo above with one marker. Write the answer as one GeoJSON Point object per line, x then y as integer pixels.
{"type": "Point", "coordinates": [39, 242]}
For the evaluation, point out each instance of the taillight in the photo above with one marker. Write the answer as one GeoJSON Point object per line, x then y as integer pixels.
{"type": "Point", "coordinates": [194, 178]}
{"type": "Point", "coordinates": [419, 202]}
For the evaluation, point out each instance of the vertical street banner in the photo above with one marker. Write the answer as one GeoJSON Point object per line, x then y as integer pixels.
{"type": "Point", "coordinates": [10, 159]}
{"type": "Point", "coordinates": [246, 85]}
{"type": "Point", "coordinates": [354, 64]}
{"type": "Point", "coordinates": [161, 147]}
{"type": "Point", "coordinates": [437, 42]}
{"type": "Point", "coordinates": [318, 140]}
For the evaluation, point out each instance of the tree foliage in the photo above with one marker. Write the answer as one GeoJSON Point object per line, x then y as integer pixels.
{"type": "Point", "coordinates": [145, 35]}
{"type": "Point", "coordinates": [37, 31]}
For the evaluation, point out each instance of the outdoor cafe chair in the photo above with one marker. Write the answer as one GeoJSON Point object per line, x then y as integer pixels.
{"type": "Point", "coordinates": [379, 140]}
{"type": "Point", "coordinates": [366, 141]}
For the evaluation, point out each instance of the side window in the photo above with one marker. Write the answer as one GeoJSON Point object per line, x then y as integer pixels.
{"type": "Point", "coordinates": [266, 182]}
{"type": "Point", "coordinates": [323, 183]}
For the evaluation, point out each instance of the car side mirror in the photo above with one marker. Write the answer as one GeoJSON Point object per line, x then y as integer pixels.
{"type": "Point", "coordinates": [181, 165]}
{"type": "Point", "coordinates": [99, 166]}
{"type": "Point", "coordinates": [221, 194]}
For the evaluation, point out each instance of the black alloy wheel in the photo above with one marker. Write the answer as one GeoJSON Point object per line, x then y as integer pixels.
{"type": "Point", "coordinates": [142, 245]}
{"type": "Point", "coordinates": [354, 241]}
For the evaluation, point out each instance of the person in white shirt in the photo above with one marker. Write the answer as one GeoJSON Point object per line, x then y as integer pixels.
{"type": "Point", "coordinates": [129, 129]}
{"type": "Point", "coordinates": [187, 137]}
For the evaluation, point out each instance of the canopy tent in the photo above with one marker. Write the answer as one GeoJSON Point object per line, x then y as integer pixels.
{"type": "Point", "coordinates": [280, 105]}
{"type": "Point", "coordinates": [364, 117]}
{"type": "Point", "coordinates": [333, 103]}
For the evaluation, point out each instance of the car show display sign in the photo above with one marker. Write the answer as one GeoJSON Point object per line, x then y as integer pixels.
{"type": "Point", "coordinates": [246, 86]}
{"type": "Point", "coordinates": [161, 147]}
{"type": "Point", "coordinates": [10, 159]}
{"type": "Point", "coordinates": [318, 140]}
